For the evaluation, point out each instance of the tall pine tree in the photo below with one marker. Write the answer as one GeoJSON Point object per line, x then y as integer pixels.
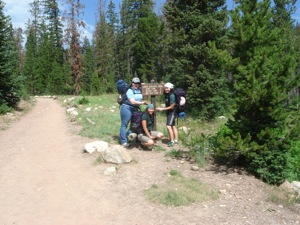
{"type": "Point", "coordinates": [10, 87]}
{"type": "Point", "coordinates": [264, 124]}
{"type": "Point", "coordinates": [193, 26]}
{"type": "Point", "coordinates": [104, 39]}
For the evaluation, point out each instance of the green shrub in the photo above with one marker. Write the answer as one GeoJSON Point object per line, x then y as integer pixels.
{"type": "Point", "coordinates": [83, 101]}
{"type": "Point", "coordinates": [292, 171]}
{"type": "Point", "coordinates": [4, 108]}
{"type": "Point", "coordinates": [267, 156]}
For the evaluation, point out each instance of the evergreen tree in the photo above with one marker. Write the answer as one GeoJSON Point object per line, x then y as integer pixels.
{"type": "Point", "coordinates": [146, 48]}
{"type": "Point", "coordinates": [259, 135]}
{"type": "Point", "coordinates": [193, 26]}
{"type": "Point", "coordinates": [55, 45]}
{"type": "Point", "coordinates": [112, 17]}
{"type": "Point", "coordinates": [114, 30]}
{"type": "Point", "coordinates": [104, 51]}
{"type": "Point", "coordinates": [31, 62]}
{"type": "Point", "coordinates": [10, 87]}
{"type": "Point", "coordinates": [89, 66]}
{"type": "Point", "coordinates": [125, 43]}
{"type": "Point", "coordinates": [282, 13]}
{"type": "Point", "coordinates": [130, 13]}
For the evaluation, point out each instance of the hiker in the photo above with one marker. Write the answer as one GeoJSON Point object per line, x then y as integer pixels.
{"type": "Point", "coordinates": [171, 114]}
{"type": "Point", "coordinates": [131, 104]}
{"type": "Point", "coordinates": [148, 136]}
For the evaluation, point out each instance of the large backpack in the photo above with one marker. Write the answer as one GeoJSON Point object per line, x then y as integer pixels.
{"type": "Point", "coordinates": [122, 88]}
{"type": "Point", "coordinates": [181, 102]}
{"type": "Point", "coordinates": [136, 122]}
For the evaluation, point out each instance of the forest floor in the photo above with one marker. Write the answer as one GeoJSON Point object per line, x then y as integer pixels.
{"type": "Point", "coordinates": [45, 178]}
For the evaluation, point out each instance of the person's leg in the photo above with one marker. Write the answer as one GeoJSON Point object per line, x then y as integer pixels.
{"type": "Point", "coordinates": [146, 141]}
{"type": "Point", "coordinates": [170, 124]}
{"type": "Point", "coordinates": [175, 132]}
{"type": "Point", "coordinates": [158, 135]}
{"type": "Point", "coordinates": [171, 133]}
{"type": "Point", "coordinates": [125, 118]}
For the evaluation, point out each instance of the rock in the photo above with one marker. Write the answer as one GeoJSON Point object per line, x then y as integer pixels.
{"type": "Point", "coordinates": [110, 171]}
{"type": "Point", "coordinates": [99, 146]}
{"type": "Point", "coordinates": [116, 154]}
{"type": "Point", "coordinates": [195, 168]}
{"type": "Point", "coordinates": [69, 110]}
{"type": "Point", "coordinates": [296, 185]}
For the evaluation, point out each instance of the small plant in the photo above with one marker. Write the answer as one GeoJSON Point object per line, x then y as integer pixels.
{"type": "Point", "coordinates": [158, 148]}
{"type": "Point", "coordinates": [99, 160]}
{"type": "Point", "coordinates": [175, 173]}
{"type": "Point", "coordinates": [83, 101]}
{"type": "Point", "coordinates": [174, 153]}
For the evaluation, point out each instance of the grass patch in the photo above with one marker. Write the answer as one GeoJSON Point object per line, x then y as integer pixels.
{"type": "Point", "coordinates": [99, 160]}
{"type": "Point", "coordinates": [283, 197]}
{"type": "Point", "coordinates": [99, 117]}
{"type": "Point", "coordinates": [179, 191]}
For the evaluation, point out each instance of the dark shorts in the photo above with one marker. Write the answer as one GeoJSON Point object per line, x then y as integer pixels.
{"type": "Point", "coordinates": [171, 117]}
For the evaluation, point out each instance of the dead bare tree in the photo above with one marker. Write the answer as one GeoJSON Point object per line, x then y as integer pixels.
{"type": "Point", "coordinates": [72, 40]}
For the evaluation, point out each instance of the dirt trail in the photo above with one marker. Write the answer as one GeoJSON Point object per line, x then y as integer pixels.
{"type": "Point", "coordinates": [46, 179]}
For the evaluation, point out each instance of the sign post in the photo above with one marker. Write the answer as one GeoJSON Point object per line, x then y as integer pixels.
{"type": "Point", "coordinates": [153, 89]}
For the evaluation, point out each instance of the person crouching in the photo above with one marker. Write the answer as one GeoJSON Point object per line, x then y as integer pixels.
{"type": "Point", "coordinates": [148, 136]}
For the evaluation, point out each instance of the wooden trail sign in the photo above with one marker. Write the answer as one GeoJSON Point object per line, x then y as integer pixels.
{"type": "Point", "coordinates": [153, 89]}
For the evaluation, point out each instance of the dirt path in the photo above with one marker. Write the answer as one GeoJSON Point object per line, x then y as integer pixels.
{"type": "Point", "coordinates": [46, 179]}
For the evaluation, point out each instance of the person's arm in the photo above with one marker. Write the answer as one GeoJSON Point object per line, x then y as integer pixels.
{"type": "Point", "coordinates": [144, 125]}
{"type": "Point", "coordinates": [166, 108]}
{"type": "Point", "coordinates": [134, 102]}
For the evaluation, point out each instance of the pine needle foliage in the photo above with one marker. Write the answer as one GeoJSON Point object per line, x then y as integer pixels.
{"type": "Point", "coordinates": [10, 87]}
{"type": "Point", "coordinates": [265, 125]}
{"type": "Point", "coordinates": [193, 65]}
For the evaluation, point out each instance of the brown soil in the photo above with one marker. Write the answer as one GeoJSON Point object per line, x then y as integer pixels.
{"type": "Point", "coordinates": [46, 179]}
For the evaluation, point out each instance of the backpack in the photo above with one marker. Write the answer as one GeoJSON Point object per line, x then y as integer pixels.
{"type": "Point", "coordinates": [136, 123]}
{"type": "Point", "coordinates": [122, 88]}
{"type": "Point", "coordinates": [180, 99]}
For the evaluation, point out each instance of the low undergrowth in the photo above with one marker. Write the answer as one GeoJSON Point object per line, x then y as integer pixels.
{"type": "Point", "coordinates": [179, 190]}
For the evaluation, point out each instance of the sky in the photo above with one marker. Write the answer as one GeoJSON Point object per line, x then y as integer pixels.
{"type": "Point", "coordinates": [18, 11]}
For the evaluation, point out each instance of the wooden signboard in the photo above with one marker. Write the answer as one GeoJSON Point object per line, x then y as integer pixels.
{"type": "Point", "coordinates": [152, 89]}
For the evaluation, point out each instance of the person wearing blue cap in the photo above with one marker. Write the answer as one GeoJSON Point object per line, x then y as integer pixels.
{"type": "Point", "coordinates": [171, 114]}
{"type": "Point", "coordinates": [148, 136]}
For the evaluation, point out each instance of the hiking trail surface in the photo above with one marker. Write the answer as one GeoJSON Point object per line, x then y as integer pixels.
{"type": "Point", "coordinates": [46, 179]}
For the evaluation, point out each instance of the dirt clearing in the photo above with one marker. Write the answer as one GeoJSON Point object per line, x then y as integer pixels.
{"type": "Point", "coordinates": [46, 179]}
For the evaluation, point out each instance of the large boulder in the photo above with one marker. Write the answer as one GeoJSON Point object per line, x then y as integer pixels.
{"type": "Point", "coordinates": [116, 154]}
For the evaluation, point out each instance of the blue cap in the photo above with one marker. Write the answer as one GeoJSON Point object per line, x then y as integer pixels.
{"type": "Point", "coordinates": [182, 115]}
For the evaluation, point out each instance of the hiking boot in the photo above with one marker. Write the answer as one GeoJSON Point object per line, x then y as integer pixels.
{"type": "Point", "coordinates": [176, 142]}
{"type": "Point", "coordinates": [132, 136]}
{"type": "Point", "coordinates": [125, 145]}
{"type": "Point", "coordinates": [171, 143]}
